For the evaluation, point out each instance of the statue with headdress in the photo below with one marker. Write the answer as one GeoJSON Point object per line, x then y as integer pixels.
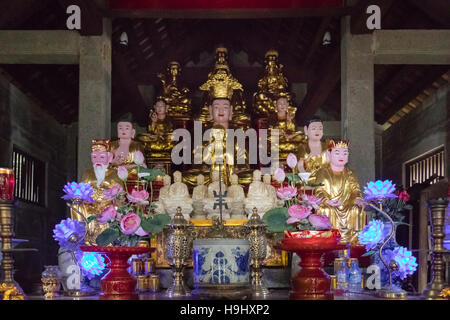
{"type": "Point", "coordinates": [176, 97]}
{"type": "Point", "coordinates": [340, 193]}
{"type": "Point", "coordinates": [222, 72]}
{"type": "Point", "coordinates": [100, 177]}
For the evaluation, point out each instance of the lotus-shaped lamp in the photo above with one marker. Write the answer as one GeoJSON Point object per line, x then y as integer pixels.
{"type": "Point", "coordinates": [69, 233]}
{"type": "Point", "coordinates": [92, 264]}
{"type": "Point", "coordinates": [379, 190]}
{"type": "Point", "coordinates": [404, 260]}
{"type": "Point", "coordinates": [372, 234]}
{"type": "Point", "coordinates": [78, 191]}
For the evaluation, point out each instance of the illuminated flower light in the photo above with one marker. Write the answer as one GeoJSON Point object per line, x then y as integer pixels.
{"type": "Point", "coordinates": [82, 191]}
{"type": "Point", "coordinates": [379, 190]}
{"type": "Point", "coordinates": [372, 234]}
{"type": "Point", "coordinates": [69, 233]}
{"type": "Point", "coordinates": [406, 262]}
{"type": "Point", "coordinates": [92, 264]}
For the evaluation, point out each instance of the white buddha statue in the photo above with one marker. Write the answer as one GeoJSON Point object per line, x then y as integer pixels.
{"type": "Point", "coordinates": [267, 179]}
{"type": "Point", "coordinates": [199, 194]}
{"type": "Point", "coordinates": [237, 196]}
{"type": "Point", "coordinates": [258, 196]}
{"type": "Point", "coordinates": [163, 194]}
{"type": "Point", "coordinates": [214, 186]}
{"type": "Point", "coordinates": [178, 197]}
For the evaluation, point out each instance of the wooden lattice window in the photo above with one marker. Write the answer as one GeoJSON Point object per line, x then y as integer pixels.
{"type": "Point", "coordinates": [30, 175]}
{"type": "Point", "coordinates": [421, 169]}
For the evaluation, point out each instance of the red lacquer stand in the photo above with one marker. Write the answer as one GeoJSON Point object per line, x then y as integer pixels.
{"type": "Point", "coordinates": [311, 282]}
{"type": "Point", "coordinates": [118, 284]}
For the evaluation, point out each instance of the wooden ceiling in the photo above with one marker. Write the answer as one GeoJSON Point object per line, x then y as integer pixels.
{"type": "Point", "coordinates": [155, 42]}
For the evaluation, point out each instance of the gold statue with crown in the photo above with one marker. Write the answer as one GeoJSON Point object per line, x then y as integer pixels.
{"type": "Point", "coordinates": [221, 73]}
{"type": "Point", "coordinates": [176, 98]}
{"type": "Point", "coordinates": [340, 193]}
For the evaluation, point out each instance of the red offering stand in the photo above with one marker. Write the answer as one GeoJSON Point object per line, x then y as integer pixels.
{"type": "Point", "coordinates": [118, 284]}
{"type": "Point", "coordinates": [311, 282]}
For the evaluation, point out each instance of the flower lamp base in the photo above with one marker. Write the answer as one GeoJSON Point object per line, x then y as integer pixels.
{"type": "Point", "coordinates": [391, 293]}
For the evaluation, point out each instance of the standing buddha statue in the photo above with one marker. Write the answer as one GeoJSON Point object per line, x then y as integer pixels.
{"type": "Point", "coordinates": [220, 72]}
{"type": "Point", "coordinates": [312, 153]}
{"type": "Point", "coordinates": [100, 177]}
{"type": "Point", "coordinates": [271, 86]}
{"type": "Point", "coordinates": [340, 193]}
{"type": "Point", "coordinates": [125, 148]}
{"type": "Point", "coordinates": [157, 141]}
{"type": "Point", "coordinates": [177, 99]}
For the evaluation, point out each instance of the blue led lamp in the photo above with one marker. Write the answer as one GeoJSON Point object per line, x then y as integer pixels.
{"type": "Point", "coordinates": [376, 192]}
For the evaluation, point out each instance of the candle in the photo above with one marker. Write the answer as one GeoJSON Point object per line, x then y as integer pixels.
{"type": "Point", "coordinates": [6, 184]}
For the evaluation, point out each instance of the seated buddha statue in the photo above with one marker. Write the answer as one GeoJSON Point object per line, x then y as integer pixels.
{"type": "Point", "coordinates": [258, 196]}
{"type": "Point", "coordinates": [340, 193]}
{"type": "Point", "coordinates": [288, 137]}
{"type": "Point", "coordinates": [214, 188]}
{"type": "Point", "coordinates": [125, 148]}
{"type": "Point", "coordinates": [221, 113]}
{"type": "Point", "coordinates": [177, 99]}
{"type": "Point", "coordinates": [157, 141]}
{"type": "Point", "coordinates": [271, 86]}
{"type": "Point", "coordinates": [100, 177]}
{"type": "Point", "coordinates": [237, 196]}
{"type": "Point", "coordinates": [312, 153]}
{"type": "Point", "coordinates": [199, 194]}
{"type": "Point", "coordinates": [220, 72]}
{"type": "Point", "coordinates": [178, 197]}
{"type": "Point", "coordinates": [163, 194]}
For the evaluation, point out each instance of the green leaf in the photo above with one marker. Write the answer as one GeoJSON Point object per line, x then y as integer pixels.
{"type": "Point", "coordinates": [397, 223]}
{"type": "Point", "coordinates": [106, 237]}
{"type": "Point", "coordinates": [89, 219]}
{"type": "Point", "coordinates": [408, 207]}
{"type": "Point", "coordinates": [156, 223]}
{"type": "Point", "coordinates": [293, 177]}
{"type": "Point", "coordinates": [153, 173]}
{"type": "Point", "coordinates": [275, 220]}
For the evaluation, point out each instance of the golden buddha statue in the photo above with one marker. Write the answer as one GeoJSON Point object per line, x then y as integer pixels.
{"type": "Point", "coordinates": [222, 71]}
{"type": "Point", "coordinates": [271, 86]}
{"type": "Point", "coordinates": [340, 193]}
{"type": "Point", "coordinates": [157, 141]}
{"type": "Point", "coordinates": [312, 153]}
{"type": "Point", "coordinates": [289, 138]}
{"type": "Point", "coordinates": [124, 149]}
{"type": "Point", "coordinates": [214, 151]}
{"type": "Point", "coordinates": [177, 100]}
{"type": "Point", "coordinates": [100, 177]}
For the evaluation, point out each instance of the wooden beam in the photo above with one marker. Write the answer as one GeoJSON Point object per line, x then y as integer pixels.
{"type": "Point", "coordinates": [13, 14]}
{"type": "Point", "coordinates": [432, 73]}
{"type": "Point", "coordinates": [438, 11]}
{"type": "Point", "coordinates": [399, 76]}
{"type": "Point", "coordinates": [39, 47]}
{"type": "Point", "coordinates": [324, 24]}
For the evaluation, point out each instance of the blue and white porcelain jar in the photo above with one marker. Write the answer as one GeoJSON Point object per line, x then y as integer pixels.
{"type": "Point", "coordinates": [221, 261]}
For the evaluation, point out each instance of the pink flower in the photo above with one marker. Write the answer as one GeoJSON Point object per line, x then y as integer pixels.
{"type": "Point", "coordinates": [291, 160]}
{"type": "Point", "coordinates": [404, 196]}
{"type": "Point", "coordinates": [130, 223]}
{"type": "Point", "coordinates": [311, 201]}
{"type": "Point", "coordinates": [279, 175]}
{"type": "Point", "coordinates": [320, 221]}
{"type": "Point", "coordinates": [138, 158]}
{"type": "Point", "coordinates": [112, 192]}
{"type": "Point", "coordinates": [108, 214]}
{"type": "Point", "coordinates": [140, 232]}
{"type": "Point", "coordinates": [139, 197]}
{"type": "Point", "coordinates": [122, 172]}
{"type": "Point", "coordinates": [286, 193]}
{"type": "Point", "coordinates": [298, 212]}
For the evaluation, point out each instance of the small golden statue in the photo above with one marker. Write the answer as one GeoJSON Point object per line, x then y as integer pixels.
{"type": "Point", "coordinates": [157, 141]}
{"type": "Point", "coordinates": [312, 152]}
{"type": "Point", "coordinates": [221, 73]}
{"type": "Point", "coordinates": [10, 292]}
{"type": "Point", "coordinates": [340, 193]}
{"type": "Point", "coordinates": [177, 100]}
{"type": "Point", "coordinates": [271, 86]}
{"type": "Point", "coordinates": [100, 177]}
{"type": "Point", "coordinates": [289, 138]}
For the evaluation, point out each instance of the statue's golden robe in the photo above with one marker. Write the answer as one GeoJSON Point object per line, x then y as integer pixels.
{"type": "Point", "coordinates": [286, 127]}
{"type": "Point", "coordinates": [314, 163]}
{"type": "Point", "coordinates": [129, 161]}
{"type": "Point", "coordinates": [343, 186]}
{"type": "Point", "coordinates": [95, 208]}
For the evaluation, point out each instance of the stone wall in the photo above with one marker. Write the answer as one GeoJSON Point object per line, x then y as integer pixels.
{"type": "Point", "coordinates": [418, 132]}
{"type": "Point", "coordinates": [32, 130]}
